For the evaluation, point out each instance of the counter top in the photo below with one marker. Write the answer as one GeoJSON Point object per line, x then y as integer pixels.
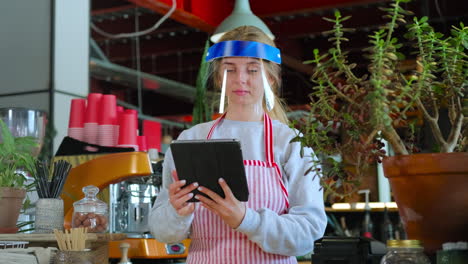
{"type": "Point", "coordinates": [91, 237]}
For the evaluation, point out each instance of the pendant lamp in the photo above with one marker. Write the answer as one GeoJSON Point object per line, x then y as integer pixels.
{"type": "Point", "coordinates": [241, 16]}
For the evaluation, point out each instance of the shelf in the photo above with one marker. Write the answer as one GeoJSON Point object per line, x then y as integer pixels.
{"type": "Point", "coordinates": [359, 207]}
{"type": "Point", "coordinates": [331, 210]}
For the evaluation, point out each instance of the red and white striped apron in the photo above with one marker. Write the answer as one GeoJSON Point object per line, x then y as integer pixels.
{"type": "Point", "coordinates": [215, 242]}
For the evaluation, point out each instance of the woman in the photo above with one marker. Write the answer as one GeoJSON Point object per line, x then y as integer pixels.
{"type": "Point", "coordinates": [285, 211]}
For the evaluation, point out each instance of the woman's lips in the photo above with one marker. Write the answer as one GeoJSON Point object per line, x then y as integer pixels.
{"type": "Point", "coordinates": [241, 92]}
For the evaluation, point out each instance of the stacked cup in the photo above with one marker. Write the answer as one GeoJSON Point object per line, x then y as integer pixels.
{"type": "Point", "coordinates": [91, 118]}
{"type": "Point", "coordinates": [120, 112]}
{"type": "Point", "coordinates": [135, 113]}
{"type": "Point", "coordinates": [142, 146]}
{"type": "Point", "coordinates": [76, 121]}
{"type": "Point", "coordinates": [100, 121]}
{"type": "Point", "coordinates": [128, 131]}
{"type": "Point", "coordinates": [152, 131]}
{"type": "Point", "coordinates": [107, 121]}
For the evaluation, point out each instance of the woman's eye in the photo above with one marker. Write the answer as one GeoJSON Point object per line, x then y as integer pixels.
{"type": "Point", "coordinates": [253, 70]}
{"type": "Point", "coordinates": [230, 70]}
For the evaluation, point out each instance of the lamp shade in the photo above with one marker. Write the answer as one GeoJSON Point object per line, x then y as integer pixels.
{"type": "Point", "coordinates": [241, 16]}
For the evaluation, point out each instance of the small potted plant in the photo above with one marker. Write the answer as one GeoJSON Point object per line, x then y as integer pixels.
{"type": "Point", "coordinates": [352, 116]}
{"type": "Point", "coordinates": [15, 159]}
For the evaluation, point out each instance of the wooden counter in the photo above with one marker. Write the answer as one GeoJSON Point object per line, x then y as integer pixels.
{"type": "Point", "coordinates": [98, 243]}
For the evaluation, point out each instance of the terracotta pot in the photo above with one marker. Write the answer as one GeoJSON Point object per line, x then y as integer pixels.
{"type": "Point", "coordinates": [11, 201]}
{"type": "Point", "coordinates": [432, 197]}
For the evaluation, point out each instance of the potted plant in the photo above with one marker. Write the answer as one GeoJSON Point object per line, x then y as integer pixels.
{"type": "Point", "coordinates": [353, 115]}
{"type": "Point", "coordinates": [15, 159]}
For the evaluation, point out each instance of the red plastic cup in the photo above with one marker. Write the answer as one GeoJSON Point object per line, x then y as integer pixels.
{"type": "Point", "coordinates": [108, 110]}
{"type": "Point", "coordinates": [120, 112]}
{"type": "Point", "coordinates": [152, 131]}
{"type": "Point", "coordinates": [133, 112]}
{"type": "Point", "coordinates": [92, 110]}
{"type": "Point", "coordinates": [77, 113]}
{"type": "Point", "coordinates": [106, 135]}
{"type": "Point", "coordinates": [142, 143]}
{"type": "Point", "coordinates": [128, 131]}
{"type": "Point", "coordinates": [76, 133]}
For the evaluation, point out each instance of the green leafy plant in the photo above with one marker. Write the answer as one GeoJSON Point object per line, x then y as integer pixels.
{"type": "Point", "coordinates": [15, 156]}
{"type": "Point", "coordinates": [201, 109]}
{"type": "Point", "coordinates": [351, 115]}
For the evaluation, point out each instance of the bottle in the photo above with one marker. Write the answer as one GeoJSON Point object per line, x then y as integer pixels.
{"type": "Point", "coordinates": [400, 233]}
{"type": "Point", "coordinates": [346, 231]}
{"type": "Point", "coordinates": [90, 212]}
{"type": "Point", "coordinates": [387, 227]}
{"type": "Point", "coordinates": [404, 251]}
{"type": "Point", "coordinates": [367, 224]}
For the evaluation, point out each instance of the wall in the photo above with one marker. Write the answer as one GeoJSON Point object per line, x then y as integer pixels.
{"type": "Point", "coordinates": [44, 56]}
{"type": "Point", "coordinates": [25, 53]}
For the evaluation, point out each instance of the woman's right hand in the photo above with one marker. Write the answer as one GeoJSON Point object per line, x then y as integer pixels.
{"type": "Point", "coordinates": [179, 196]}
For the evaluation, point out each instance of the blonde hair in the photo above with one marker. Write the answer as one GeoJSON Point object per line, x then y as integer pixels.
{"type": "Point", "coordinates": [251, 33]}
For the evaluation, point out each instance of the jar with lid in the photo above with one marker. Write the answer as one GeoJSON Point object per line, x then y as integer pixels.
{"type": "Point", "coordinates": [404, 252]}
{"type": "Point", "coordinates": [90, 212]}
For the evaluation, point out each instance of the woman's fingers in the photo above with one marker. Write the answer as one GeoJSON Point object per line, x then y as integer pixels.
{"type": "Point", "coordinates": [179, 195]}
{"type": "Point", "coordinates": [175, 186]}
{"type": "Point", "coordinates": [227, 191]}
{"type": "Point", "coordinates": [187, 209]}
{"type": "Point", "coordinates": [210, 193]}
{"type": "Point", "coordinates": [176, 189]}
{"type": "Point", "coordinates": [231, 210]}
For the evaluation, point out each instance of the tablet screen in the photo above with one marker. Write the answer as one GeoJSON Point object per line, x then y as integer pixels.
{"type": "Point", "coordinates": [205, 161]}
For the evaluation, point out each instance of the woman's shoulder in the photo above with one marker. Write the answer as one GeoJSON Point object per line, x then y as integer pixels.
{"type": "Point", "coordinates": [283, 130]}
{"type": "Point", "coordinates": [198, 131]}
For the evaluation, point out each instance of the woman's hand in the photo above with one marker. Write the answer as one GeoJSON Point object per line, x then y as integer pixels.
{"type": "Point", "coordinates": [179, 196]}
{"type": "Point", "coordinates": [231, 210]}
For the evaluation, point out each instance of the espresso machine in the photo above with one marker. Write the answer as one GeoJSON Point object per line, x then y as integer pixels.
{"type": "Point", "coordinates": [130, 205]}
{"type": "Point", "coordinates": [131, 201]}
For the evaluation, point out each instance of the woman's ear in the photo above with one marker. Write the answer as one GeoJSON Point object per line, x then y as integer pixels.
{"type": "Point", "coordinates": [271, 80]}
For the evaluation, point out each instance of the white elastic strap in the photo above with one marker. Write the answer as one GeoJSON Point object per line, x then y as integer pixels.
{"type": "Point", "coordinates": [269, 97]}
{"type": "Point", "coordinates": [223, 93]}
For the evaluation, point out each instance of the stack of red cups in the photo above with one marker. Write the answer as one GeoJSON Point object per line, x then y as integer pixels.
{"type": "Point", "coordinates": [128, 131]}
{"type": "Point", "coordinates": [107, 121]}
{"type": "Point", "coordinates": [91, 118]}
{"type": "Point", "coordinates": [76, 121]}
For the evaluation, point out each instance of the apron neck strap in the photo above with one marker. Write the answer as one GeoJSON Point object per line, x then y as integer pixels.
{"type": "Point", "coordinates": [268, 135]}
{"type": "Point", "coordinates": [268, 131]}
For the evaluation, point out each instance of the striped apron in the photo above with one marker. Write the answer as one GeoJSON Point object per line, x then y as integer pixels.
{"type": "Point", "coordinates": [213, 241]}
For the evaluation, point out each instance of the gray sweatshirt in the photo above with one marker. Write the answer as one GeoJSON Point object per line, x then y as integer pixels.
{"type": "Point", "coordinates": [290, 234]}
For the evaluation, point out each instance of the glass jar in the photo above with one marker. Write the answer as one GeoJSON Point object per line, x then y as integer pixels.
{"type": "Point", "coordinates": [404, 252]}
{"type": "Point", "coordinates": [90, 212]}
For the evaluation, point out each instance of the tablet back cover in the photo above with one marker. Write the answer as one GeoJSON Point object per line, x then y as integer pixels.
{"type": "Point", "coordinates": [205, 161]}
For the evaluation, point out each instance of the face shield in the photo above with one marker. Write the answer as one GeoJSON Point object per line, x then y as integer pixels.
{"type": "Point", "coordinates": [242, 73]}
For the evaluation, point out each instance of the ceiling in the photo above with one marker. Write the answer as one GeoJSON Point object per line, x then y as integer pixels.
{"type": "Point", "coordinates": [170, 56]}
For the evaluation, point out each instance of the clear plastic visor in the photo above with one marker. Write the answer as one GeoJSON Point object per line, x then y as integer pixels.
{"type": "Point", "coordinates": [244, 84]}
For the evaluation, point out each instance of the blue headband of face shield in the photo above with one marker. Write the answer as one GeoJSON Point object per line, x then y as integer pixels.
{"type": "Point", "coordinates": [236, 48]}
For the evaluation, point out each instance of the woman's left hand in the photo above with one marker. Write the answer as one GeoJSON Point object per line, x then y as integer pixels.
{"type": "Point", "coordinates": [231, 210]}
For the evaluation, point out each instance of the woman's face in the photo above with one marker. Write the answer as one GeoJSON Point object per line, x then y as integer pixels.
{"type": "Point", "coordinates": [244, 84]}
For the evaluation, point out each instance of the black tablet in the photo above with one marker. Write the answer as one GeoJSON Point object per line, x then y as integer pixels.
{"type": "Point", "coordinates": [205, 161]}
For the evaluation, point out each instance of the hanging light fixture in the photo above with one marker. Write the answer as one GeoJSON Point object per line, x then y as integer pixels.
{"type": "Point", "coordinates": [241, 16]}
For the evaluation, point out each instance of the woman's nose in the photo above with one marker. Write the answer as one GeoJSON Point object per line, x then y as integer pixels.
{"type": "Point", "coordinates": [242, 76]}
